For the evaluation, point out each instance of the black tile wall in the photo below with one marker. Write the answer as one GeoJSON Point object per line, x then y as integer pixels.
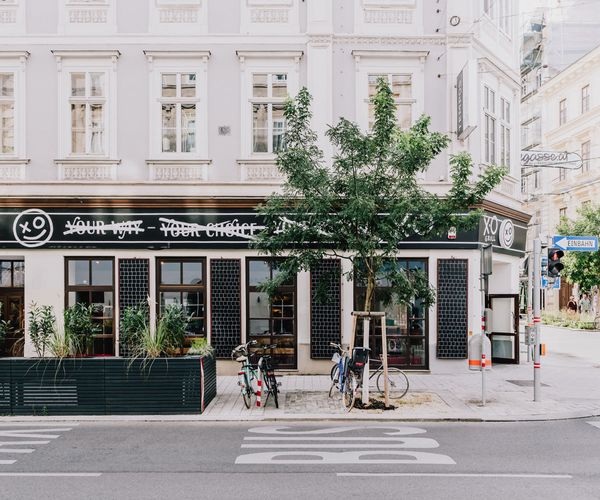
{"type": "Point", "coordinates": [134, 289]}
{"type": "Point", "coordinates": [452, 302]}
{"type": "Point", "coordinates": [225, 305]}
{"type": "Point", "coordinates": [325, 316]}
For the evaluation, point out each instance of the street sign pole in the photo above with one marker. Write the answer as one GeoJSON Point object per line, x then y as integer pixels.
{"type": "Point", "coordinates": [537, 254]}
{"type": "Point", "coordinates": [529, 304]}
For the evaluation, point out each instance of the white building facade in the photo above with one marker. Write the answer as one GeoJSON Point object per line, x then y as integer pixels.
{"type": "Point", "coordinates": [137, 138]}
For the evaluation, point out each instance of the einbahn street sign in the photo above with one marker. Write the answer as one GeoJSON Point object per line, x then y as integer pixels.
{"type": "Point", "coordinates": [576, 243]}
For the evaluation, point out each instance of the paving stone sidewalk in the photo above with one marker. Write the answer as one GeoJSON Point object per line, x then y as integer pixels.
{"type": "Point", "coordinates": [571, 389]}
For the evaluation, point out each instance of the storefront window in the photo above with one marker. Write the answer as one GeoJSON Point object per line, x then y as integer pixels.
{"type": "Point", "coordinates": [272, 321]}
{"type": "Point", "coordinates": [182, 282]}
{"type": "Point", "coordinates": [90, 281]}
{"type": "Point", "coordinates": [406, 325]}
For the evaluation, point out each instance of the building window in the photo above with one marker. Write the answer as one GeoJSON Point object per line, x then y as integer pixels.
{"type": "Point", "coordinates": [585, 99]}
{"type": "Point", "coordinates": [271, 321]}
{"type": "Point", "coordinates": [504, 132]}
{"type": "Point", "coordinates": [488, 7]}
{"type": "Point", "coordinates": [562, 112]}
{"type": "Point", "coordinates": [504, 15]}
{"type": "Point", "coordinates": [88, 103]}
{"type": "Point", "coordinates": [406, 326]}
{"type": "Point", "coordinates": [562, 174]}
{"type": "Point", "coordinates": [90, 281]}
{"type": "Point", "coordinates": [12, 274]}
{"type": "Point", "coordinates": [182, 282]}
{"type": "Point", "coordinates": [562, 212]}
{"type": "Point", "coordinates": [269, 91]}
{"type": "Point", "coordinates": [7, 113]}
{"type": "Point", "coordinates": [536, 180]}
{"type": "Point", "coordinates": [489, 105]}
{"type": "Point", "coordinates": [585, 155]}
{"type": "Point", "coordinates": [401, 86]}
{"type": "Point", "coordinates": [178, 103]}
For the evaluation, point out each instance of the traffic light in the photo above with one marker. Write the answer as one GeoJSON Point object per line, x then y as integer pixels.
{"type": "Point", "coordinates": [555, 266]}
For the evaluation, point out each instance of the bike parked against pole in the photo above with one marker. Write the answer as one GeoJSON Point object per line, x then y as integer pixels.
{"type": "Point", "coordinates": [249, 373]}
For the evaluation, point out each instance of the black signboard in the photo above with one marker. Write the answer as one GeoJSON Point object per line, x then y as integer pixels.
{"type": "Point", "coordinates": [36, 228]}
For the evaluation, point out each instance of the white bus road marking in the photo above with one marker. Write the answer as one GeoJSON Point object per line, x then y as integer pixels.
{"type": "Point", "coordinates": [287, 446]}
{"type": "Point", "coordinates": [397, 430]}
{"type": "Point", "coordinates": [28, 443]}
{"type": "Point", "coordinates": [595, 423]}
{"type": "Point", "coordinates": [417, 443]}
{"type": "Point", "coordinates": [346, 457]}
{"type": "Point", "coordinates": [452, 474]}
{"type": "Point", "coordinates": [7, 462]}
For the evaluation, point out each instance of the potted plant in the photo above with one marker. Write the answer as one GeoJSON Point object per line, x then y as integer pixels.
{"type": "Point", "coordinates": [80, 328]}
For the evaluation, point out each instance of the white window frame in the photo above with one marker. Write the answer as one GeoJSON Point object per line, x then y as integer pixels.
{"type": "Point", "coordinates": [69, 62]}
{"type": "Point", "coordinates": [271, 62]}
{"type": "Point", "coordinates": [172, 16]}
{"type": "Point", "coordinates": [562, 113]}
{"type": "Point", "coordinates": [65, 26]}
{"type": "Point", "coordinates": [586, 155]}
{"type": "Point", "coordinates": [388, 62]}
{"type": "Point", "coordinates": [585, 98]}
{"type": "Point", "coordinates": [490, 120]}
{"type": "Point", "coordinates": [505, 132]}
{"type": "Point", "coordinates": [14, 62]}
{"type": "Point", "coordinates": [12, 18]}
{"type": "Point", "coordinates": [161, 62]}
{"type": "Point", "coordinates": [505, 17]}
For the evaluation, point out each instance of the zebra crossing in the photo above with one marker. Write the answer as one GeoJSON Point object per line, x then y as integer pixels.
{"type": "Point", "coordinates": [348, 444]}
{"type": "Point", "coordinates": [18, 439]}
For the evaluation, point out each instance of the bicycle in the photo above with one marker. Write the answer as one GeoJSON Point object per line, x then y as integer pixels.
{"type": "Point", "coordinates": [398, 383]}
{"type": "Point", "coordinates": [346, 375]}
{"type": "Point", "coordinates": [263, 371]}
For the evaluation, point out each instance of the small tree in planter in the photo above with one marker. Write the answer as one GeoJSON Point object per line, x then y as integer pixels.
{"type": "Point", "coordinates": [80, 328]}
{"type": "Point", "coordinates": [42, 328]}
{"type": "Point", "coordinates": [367, 201]}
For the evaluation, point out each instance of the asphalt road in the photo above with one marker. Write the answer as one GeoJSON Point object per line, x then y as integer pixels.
{"type": "Point", "coordinates": [138, 460]}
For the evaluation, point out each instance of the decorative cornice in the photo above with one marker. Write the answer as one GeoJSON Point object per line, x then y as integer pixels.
{"type": "Point", "coordinates": [177, 54]}
{"type": "Point", "coordinates": [269, 54]}
{"type": "Point", "coordinates": [181, 162]}
{"type": "Point", "coordinates": [86, 161]}
{"type": "Point", "coordinates": [59, 55]}
{"type": "Point", "coordinates": [389, 40]}
{"type": "Point", "coordinates": [390, 54]}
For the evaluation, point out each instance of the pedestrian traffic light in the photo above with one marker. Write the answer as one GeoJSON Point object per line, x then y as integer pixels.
{"type": "Point", "coordinates": [555, 266]}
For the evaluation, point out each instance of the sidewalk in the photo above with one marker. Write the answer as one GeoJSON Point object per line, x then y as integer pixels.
{"type": "Point", "coordinates": [570, 377]}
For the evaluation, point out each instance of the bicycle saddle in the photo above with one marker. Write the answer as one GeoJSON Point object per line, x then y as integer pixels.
{"type": "Point", "coordinates": [240, 359]}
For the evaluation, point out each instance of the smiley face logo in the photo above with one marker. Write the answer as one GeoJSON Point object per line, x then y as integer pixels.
{"type": "Point", "coordinates": [507, 233]}
{"type": "Point", "coordinates": [33, 228]}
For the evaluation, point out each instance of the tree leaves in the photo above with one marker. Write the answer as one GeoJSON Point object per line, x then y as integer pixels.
{"type": "Point", "coordinates": [368, 200]}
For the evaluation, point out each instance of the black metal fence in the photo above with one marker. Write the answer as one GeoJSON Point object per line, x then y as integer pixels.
{"type": "Point", "coordinates": [106, 386]}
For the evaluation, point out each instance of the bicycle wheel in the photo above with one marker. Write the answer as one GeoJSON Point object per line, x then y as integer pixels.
{"type": "Point", "coordinates": [335, 380]}
{"type": "Point", "coordinates": [246, 391]}
{"type": "Point", "coordinates": [349, 394]}
{"type": "Point", "coordinates": [273, 389]}
{"type": "Point", "coordinates": [397, 383]}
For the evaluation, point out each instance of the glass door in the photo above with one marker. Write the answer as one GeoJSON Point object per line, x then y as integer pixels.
{"type": "Point", "coordinates": [505, 328]}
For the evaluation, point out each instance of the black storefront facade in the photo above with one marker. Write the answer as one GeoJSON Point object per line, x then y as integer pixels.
{"type": "Point", "coordinates": [196, 253]}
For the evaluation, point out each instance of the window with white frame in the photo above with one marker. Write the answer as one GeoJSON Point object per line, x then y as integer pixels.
{"type": "Point", "coordinates": [489, 106]}
{"type": "Point", "coordinates": [562, 112]}
{"type": "Point", "coordinates": [269, 92]}
{"type": "Point", "coordinates": [87, 112]}
{"type": "Point", "coordinates": [585, 99]}
{"type": "Point", "coordinates": [504, 132]}
{"type": "Point", "coordinates": [504, 15]}
{"type": "Point", "coordinates": [401, 87]}
{"type": "Point", "coordinates": [178, 104]}
{"type": "Point", "coordinates": [7, 113]}
{"type": "Point", "coordinates": [488, 7]}
{"type": "Point", "coordinates": [586, 148]}
{"type": "Point", "coordinates": [87, 103]}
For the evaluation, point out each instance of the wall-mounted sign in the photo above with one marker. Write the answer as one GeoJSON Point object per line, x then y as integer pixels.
{"type": "Point", "coordinates": [466, 85]}
{"type": "Point", "coordinates": [552, 159]}
{"type": "Point", "coordinates": [503, 233]}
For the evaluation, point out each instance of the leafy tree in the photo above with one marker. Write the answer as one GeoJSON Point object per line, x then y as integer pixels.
{"type": "Point", "coordinates": [367, 201]}
{"type": "Point", "coordinates": [582, 267]}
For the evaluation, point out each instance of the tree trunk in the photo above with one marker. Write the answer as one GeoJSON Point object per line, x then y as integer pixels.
{"type": "Point", "coordinates": [370, 292]}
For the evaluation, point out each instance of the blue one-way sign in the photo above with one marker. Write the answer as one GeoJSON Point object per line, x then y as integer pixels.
{"type": "Point", "coordinates": [576, 243]}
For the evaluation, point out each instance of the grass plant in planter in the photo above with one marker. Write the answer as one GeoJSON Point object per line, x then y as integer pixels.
{"type": "Point", "coordinates": [42, 328]}
{"type": "Point", "coordinates": [80, 328]}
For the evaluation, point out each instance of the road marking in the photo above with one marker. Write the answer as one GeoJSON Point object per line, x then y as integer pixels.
{"type": "Point", "coordinates": [16, 450]}
{"type": "Point", "coordinates": [595, 423]}
{"type": "Point", "coordinates": [346, 457]}
{"type": "Point", "coordinates": [279, 429]}
{"type": "Point", "coordinates": [29, 433]}
{"type": "Point", "coordinates": [7, 462]}
{"type": "Point", "coordinates": [414, 443]}
{"type": "Point", "coordinates": [350, 438]}
{"type": "Point", "coordinates": [446, 474]}
{"type": "Point", "coordinates": [22, 435]}
{"type": "Point", "coordinates": [46, 424]}
{"type": "Point", "coordinates": [50, 474]}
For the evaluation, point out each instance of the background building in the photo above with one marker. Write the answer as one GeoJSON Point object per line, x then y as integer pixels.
{"type": "Point", "coordinates": [138, 136]}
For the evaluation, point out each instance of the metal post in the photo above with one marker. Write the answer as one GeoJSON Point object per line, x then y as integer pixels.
{"type": "Point", "coordinates": [537, 278]}
{"type": "Point", "coordinates": [529, 304]}
{"type": "Point", "coordinates": [483, 328]}
{"type": "Point", "coordinates": [482, 374]}
{"type": "Point", "coordinates": [365, 386]}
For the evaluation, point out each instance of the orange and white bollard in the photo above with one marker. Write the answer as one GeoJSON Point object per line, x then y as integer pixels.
{"type": "Point", "coordinates": [259, 391]}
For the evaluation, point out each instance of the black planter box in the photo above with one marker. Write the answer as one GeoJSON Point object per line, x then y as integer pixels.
{"type": "Point", "coordinates": [106, 386]}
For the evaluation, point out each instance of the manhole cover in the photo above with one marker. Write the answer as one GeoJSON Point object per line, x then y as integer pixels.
{"type": "Point", "coordinates": [525, 383]}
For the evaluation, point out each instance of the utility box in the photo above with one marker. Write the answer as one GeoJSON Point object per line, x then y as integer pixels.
{"type": "Point", "coordinates": [487, 319]}
{"type": "Point", "coordinates": [477, 343]}
{"type": "Point", "coordinates": [529, 335]}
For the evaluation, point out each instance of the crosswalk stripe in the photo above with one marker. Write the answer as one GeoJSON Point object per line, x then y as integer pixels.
{"type": "Point", "coordinates": [7, 462]}
{"type": "Point", "coordinates": [16, 450]}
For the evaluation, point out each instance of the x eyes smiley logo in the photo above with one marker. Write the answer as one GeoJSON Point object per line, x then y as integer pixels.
{"type": "Point", "coordinates": [33, 228]}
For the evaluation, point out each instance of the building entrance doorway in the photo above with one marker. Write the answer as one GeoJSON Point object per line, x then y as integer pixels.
{"type": "Point", "coordinates": [12, 311]}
